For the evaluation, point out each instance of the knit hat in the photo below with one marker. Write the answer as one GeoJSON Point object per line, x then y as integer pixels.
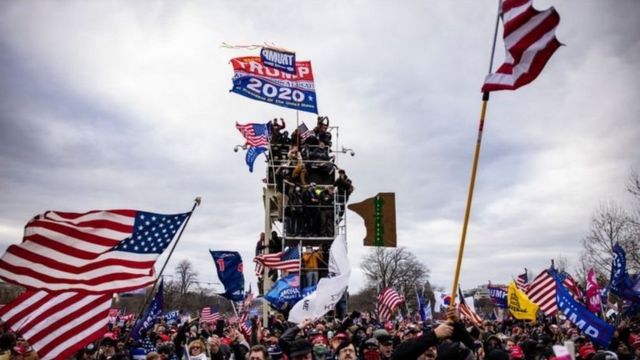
{"type": "Point", "coordinates": [300, 347]}
{"type": "Point", "coordinates": [275, 352]}
{"type": "Point", "coordinates": [453, 351]}
{"type": "Point", "coordinates": [380, 332]}
{"type": "Point", "coordinates": [605, 355]}
{"type": "Point", "coordinates": [497, 354]}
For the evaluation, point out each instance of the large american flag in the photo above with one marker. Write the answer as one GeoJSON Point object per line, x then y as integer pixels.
{"type": "Point", "coordinates": [209, 315]}
{"type": "Point", "coordinates": [103, 251]}
{"type": "Point", "coordinates": [256, 135]}
{"type": "Point", "coordinates": [388, 301]}
{"type": "Point", "coordinates": [58, 325]}
{"type": "Point", "coordinates": [529, 39]}
{"type": "Point", "coordinates": [288, 260]}
{"type": "Point", "coordinates": [542, 291]}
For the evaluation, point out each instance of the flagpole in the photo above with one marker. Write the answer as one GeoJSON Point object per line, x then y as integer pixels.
{"type": "Point", "coordinates": [298, 130]}
{"type": "Point", "coordinates": [196, 203]}
{"type": "Point", "coordinates": [474, 169]}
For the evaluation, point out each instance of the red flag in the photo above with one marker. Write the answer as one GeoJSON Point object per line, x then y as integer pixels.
{"type": "Point", "coordinates": [58, 325]}
{"type": "Point", "coordinates": [529, 39]}
{"type": "Point", "coordinates": [594, 303]}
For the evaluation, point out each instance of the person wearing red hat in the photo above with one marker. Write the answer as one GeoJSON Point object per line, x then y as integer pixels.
{"type": "Point", "coordinates": [634, 342]}
{"type": "Point", "coordinates": [586, 351]}
{"type": "Point", "coordinates": [516, 353]}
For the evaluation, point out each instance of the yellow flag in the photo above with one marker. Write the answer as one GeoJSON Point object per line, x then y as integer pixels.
{"type": "Point", "coordinates": [519, 304]}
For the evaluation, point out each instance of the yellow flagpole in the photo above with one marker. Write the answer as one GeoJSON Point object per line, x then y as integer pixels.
{"type": "Point", "coordinates": [467, 212]}
{"type": "Point", "coordinates": [474, 170]}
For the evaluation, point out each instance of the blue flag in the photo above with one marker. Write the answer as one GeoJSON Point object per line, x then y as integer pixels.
{"type": "Point", "coordinates": [621, 283]}
{"type": "Point", "coordinates": [423, 309]}
{"type": "Point", "coordinates": [286, 292]}
{"type": "Point", "coordinates": [172, 317]}
{"type": "Point", "coordinates": [279, 59]}
{"type": "Point", "coordinates": [229, 266]}
{"type": "Point", "coordinates": [252, 155]}
{"type": "Point", "coordinates": [595, 328]}
{"type": "Point", "coordinates": [498, 296]}
{"type": "Point", "coordinates": [147, 320]}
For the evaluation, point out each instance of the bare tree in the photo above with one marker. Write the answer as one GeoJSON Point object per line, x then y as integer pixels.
{"type": "Point", "coordinates": [561, 263]}
{"type": "Point", "coordinates": [186, 277]}
{"type": "Point", "coordinates": [395, 267]}
{"type": "Point", "coordinates": [610, 224]}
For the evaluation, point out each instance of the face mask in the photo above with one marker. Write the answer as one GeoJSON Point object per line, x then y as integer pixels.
{"type": "Point", "coordinates": [319, 349]}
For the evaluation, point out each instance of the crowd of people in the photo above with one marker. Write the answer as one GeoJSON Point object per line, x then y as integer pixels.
{"type": "Point", "coordinates": [304, 174]}
{"type": "Point", "coordinates": [360, 336]}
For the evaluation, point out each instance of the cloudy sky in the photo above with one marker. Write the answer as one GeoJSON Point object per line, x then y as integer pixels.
{"type": "Point", "coordinates": [119, 104]}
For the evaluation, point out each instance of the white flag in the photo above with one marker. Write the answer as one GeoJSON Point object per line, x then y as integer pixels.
{"type": "Point", "coordinates": [329, 290]}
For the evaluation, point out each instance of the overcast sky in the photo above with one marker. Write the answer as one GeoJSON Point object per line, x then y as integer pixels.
{"type": "Point", "coordinates": [120, 104]}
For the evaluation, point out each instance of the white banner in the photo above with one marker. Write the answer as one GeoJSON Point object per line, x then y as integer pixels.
{"type": "Point", "coordinates": [329, 290]}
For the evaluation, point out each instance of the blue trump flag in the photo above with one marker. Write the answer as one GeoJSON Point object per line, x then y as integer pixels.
{"type": "Point", "coordinates": [498, 296]}
{"type": "Point", "coordinates": [286, 292]}
{"type": "Point", "coordinates": [147, 320]}
{"type": "Point", "coordinates": [252, 155]}
{"type": "Point", "coordinates": [229, 266]}
{"type": "Point", "coordinates": [621, 283]}
{"type": "Point", "coordinates": [595, 328]}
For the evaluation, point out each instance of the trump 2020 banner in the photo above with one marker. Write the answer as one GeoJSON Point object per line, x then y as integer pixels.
{"type": "Point", "coordinates": [253, 79]}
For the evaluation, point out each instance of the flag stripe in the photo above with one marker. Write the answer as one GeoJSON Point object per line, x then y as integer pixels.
{"type": "Point", "coordinates": [21, 256]}
{"type": "Point", "coordinates": [248, 132]}
{"type": "Point", "coordinates": [388, 301]}
{"type": "Point", "coordinates": [529, 38]}
{"type": "Point", "coordinates": [58, 325]}
{"type": "Point", "coordinates": [67, 233]}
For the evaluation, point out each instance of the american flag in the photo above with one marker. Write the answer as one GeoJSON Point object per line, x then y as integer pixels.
{"type": "Point", "coordinates": [259, 270]}
{"type": "Point", "coordinates": [388, 301]}
{"type": "Point", "coordinates": [529, 39]}
{"type": "Point", "coordinates": [288, 260]}
{"type": "Point", "coordinates": [304, 132]}
{"type": "Point", "coordinates": [95, 252]}
{"type": "Point", "coordinates": [256, 135]}
{"type": "Point", "coordinates": [522, 282]}
{"type": "Point", "coordinates": [542, 291]}
{"type": "Point", "coordinates": [248, 298]}
{"type": "Point", "coordinates": [58, 325]}
{"type": "Point", "coordinates": [466, 311]}
{"type": "Point", "coordinates": [209, 315]}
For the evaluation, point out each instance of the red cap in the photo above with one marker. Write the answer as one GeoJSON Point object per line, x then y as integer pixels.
{"type": "Point", "coordinates": [516, 352]}
{"type": "Point", "coordinates": [319, 340]}
{"type": "Point", "coordinates": [586, 350]}
{"type": "Point", "coordinates": [634, 340]}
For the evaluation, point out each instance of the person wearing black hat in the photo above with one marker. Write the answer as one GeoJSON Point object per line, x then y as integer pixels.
{"type": "Point", "coordinates": [300, 349]}
{"type": "Point", "coordinates": [386, 346]}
